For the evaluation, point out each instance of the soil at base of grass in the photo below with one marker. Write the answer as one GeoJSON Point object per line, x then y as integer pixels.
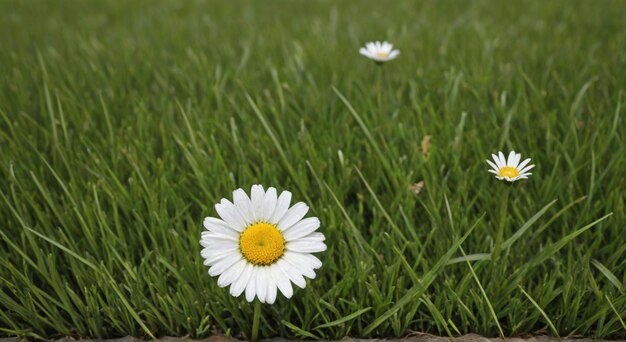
{"type": "Point", "coordinates": [418, 337]}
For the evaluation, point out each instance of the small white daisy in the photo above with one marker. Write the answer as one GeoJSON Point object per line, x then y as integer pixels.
{"type": "Point", "coordinates": [380, 52]}
{"type": "Point", "coordinates": [511, 169]}
{"type": "Point", "coordinates": [260, 244]}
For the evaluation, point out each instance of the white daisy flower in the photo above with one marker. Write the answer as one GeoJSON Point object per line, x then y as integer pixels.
{"type": "Point", "coordinates": [260, 244]}
{"type": "Point", "coordinates": [380, 52]}
{"type": "Point", "coordinates": [510, 169]}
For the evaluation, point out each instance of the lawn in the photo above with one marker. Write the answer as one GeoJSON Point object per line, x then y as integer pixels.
{"type": "Point", "coordinates": [122, 123]}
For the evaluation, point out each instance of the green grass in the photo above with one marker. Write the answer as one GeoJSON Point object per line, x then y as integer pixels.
{"type": "Point", "coordinates": [122, 123]}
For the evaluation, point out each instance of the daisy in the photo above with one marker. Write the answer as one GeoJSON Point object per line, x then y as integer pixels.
{"type": "Point", "coordinates": [510, 169]}
{"type": "Point", "coordinates": [260, 244]}
{"type": "Point", "coordinates": [379, 52]}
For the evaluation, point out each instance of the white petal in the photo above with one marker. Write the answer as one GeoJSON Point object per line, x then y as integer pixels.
{"type": "Point", "coordinates": [496, 159]}
{"type": "Point", "coordinates": [251, 287]}
{"type": "Point", "coordinates": [307, 272]}
{"type": "Point", "coordinates": [219, 246]}
{"type": "Point", "coordinates": [303, 246]}
{"type": "Point", "coordinates": [502, 159]}
{"type": "Point", "coordinates": [257, 194]}
{"type": "Point", "coordinates": [271, 287]}
{"type": "Point", "coordinates": [378, 58]}
{"type": "Point", "coordinates": [231, 215]}
{"type": "Point", "coordinates": [301, 228]}
{"type": "Point", "coordinates": [393, 54]}
{"type": "Point", "coordinates": [208, 252]}
{"type": "Point", "coordinates": [261, 283]}
{"type": "Point", "coordinates": [313, 261]}
{"type": "Point", "coordinates": [282, 281]}
{"type": "Point", "coordinates": [509, 161]}
{"type": "Point", "coordinates": [242, 202]}
{"type": "Point", "coordinates": [301, 268]}
{"type": "Point", "coordinates": [282, 205]}
{"type": "Point", "coordinates": [224, 264]}
{"type": "Point", "coordinates": [212, 257]}
{"type": "Point", "coordinates": [364, 52]}
{"type": "Point", "coordinates": [516, 159]}
{"type": "Point", "coordinates": [493, 166]}
{"type": "Point", "coordinates": [217, 238]}
{"type": "Point", "coordinates": [312, 238]}
{"type": "Point", "coordinates": [524, 163]}
{"type": "Point", "coordinates": [231, 274]}
{"type": "Point", "coordinates": [268, 205]}
{"type": "Point", "coordinates": [293, 215]}
{"type": "Point", "coordinates": [526, 168]}
{"type": "Point", "coordinates": [294, 275]}
{"type": "Point", "coordinates": [241, 283]}
{"type": "Point", "coordinates": [218, 226]}
{"type": "Point", "coordinates": [308, 260]}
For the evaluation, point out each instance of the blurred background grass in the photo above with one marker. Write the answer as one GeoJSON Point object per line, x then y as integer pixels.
{"type": "Point", "coordinates": [122, 123]}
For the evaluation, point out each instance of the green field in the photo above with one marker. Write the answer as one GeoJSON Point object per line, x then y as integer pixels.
{"type": "Point", "coordinates": [122, 123]}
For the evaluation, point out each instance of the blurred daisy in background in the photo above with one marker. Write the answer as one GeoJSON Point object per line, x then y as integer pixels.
{"type": "Point", "coordinates": [510, 169]}
{"type": "Point", "coordinates": [261, 245]}
{"type": "Point", "coordinates": [379, 52]}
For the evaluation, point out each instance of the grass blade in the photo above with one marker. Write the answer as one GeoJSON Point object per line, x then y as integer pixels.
{"type": "Point", "coordinates": [417, 290]}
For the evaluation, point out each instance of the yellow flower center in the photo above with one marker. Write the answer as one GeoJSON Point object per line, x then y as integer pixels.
{"type": "Point", "coordinates": [508, 171]}
{"type": "Point", "coordinates": [262, 243]}
{"type": "Point", "coordinates": [382, 54]}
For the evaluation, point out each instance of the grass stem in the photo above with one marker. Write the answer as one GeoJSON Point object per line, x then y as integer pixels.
{"type": "Point", "coordinates": [503, 220]}
{"type": "Point", "coordinates": [255, 321]}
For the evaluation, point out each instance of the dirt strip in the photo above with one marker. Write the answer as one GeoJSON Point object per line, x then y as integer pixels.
{"type": "Point", "coordinates": [412, 338]}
